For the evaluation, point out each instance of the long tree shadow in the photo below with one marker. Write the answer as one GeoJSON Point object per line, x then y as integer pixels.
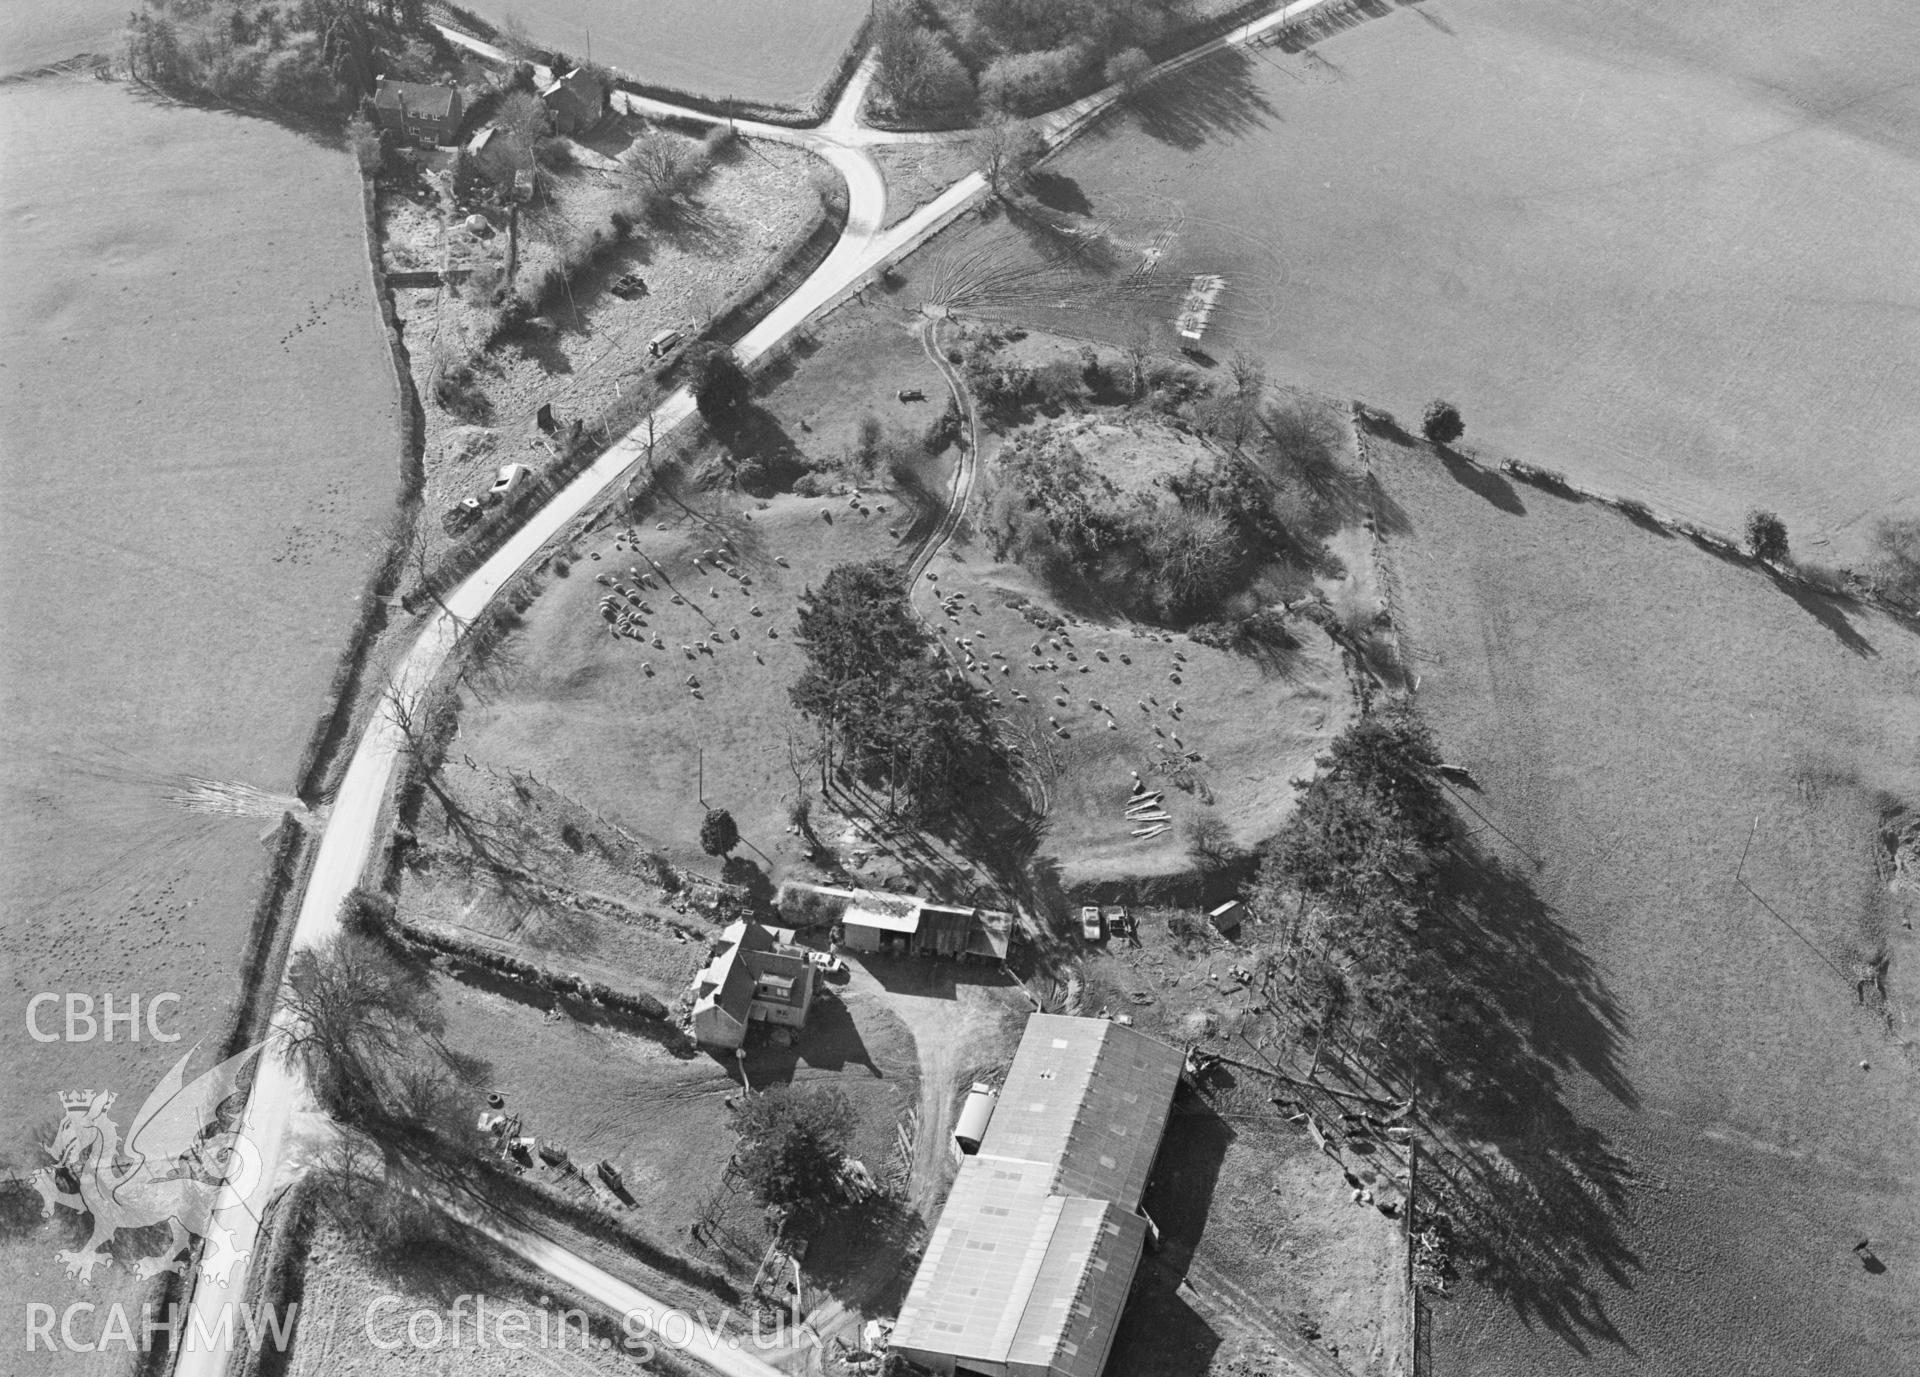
{"type": "Point", "coordinates": [1826, 610]}
{"type": "Point", "coordinates": [1482, 481]}
{"type": "Point", "coordinates": [1217, 97]}
{"type": "Point", "coordinates": [1512, 1007]}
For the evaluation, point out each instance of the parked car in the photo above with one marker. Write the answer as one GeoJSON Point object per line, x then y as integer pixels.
{"type": "Point", "coordinates": [1118, 924]}
{"type": "Point", "coordinates": [827, 962]}
{"type": "Point", "coordinates": [663, 343]}
{"type": "Point", "coordinates": [509, 481]}
{"type": "Point", "coordinates": [1090, 922]}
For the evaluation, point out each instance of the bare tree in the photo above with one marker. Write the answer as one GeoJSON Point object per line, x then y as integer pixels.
{"type": "Point", "coordinates": [356, 1013]}
{"type": "Point", "coordinates": [1008, 150]}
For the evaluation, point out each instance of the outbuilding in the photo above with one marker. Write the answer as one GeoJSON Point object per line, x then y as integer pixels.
{"type": "Point", "coordinates": [1226, 918]}
{"type": "Point", "coordinates": [1027, 1270]}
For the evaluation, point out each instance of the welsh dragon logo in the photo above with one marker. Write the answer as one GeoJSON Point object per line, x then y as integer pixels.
{"type": "Point", "coordinates": [177, 1155]}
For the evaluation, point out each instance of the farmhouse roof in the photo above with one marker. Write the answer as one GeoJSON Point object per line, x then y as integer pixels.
{"type": "Point", "coordinates": [416, 97]}
{"type": "Point", "coordinates": [1029, 1265]}
{"type": "Point", "coordinates": [577, 84]}
{"type": "Point", "coordinates": [727, 982]}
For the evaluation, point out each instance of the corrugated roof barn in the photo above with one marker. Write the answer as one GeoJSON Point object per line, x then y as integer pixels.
{"type": "Point", "coordinates": [1029, 1265]}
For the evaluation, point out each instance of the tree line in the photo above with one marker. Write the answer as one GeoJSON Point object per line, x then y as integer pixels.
{"type": "Point", "coordinates": [890, 711]}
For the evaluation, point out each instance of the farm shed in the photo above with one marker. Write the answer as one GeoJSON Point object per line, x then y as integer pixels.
{"type": "Point", "coordinates": [416, 110]}
{"type": "Point", "coordinates": [1028, 1267]}
{"type": "Point", "coordinates": [943, 931]}
{"type": "Point", "coordinates": [576, 101]}
{"type": "Point", "coordinates": [751, 979]}
{"type": "Point", "coordinates": [874, 922]}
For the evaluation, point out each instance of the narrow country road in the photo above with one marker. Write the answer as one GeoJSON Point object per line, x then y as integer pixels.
{"type": "Point", "coordinates": [280, 1118]}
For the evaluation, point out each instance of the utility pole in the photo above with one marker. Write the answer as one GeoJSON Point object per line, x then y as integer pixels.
{"type": "Point", "coordinates": [702, 786]}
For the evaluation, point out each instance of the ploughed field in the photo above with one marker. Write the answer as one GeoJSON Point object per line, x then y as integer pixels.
{"type": "Point", "coordinates": [198, 442]}
{"type": "Point", "coordinates": [1672, 250]}
{"type": "Point", "coordinates": [775, 51]}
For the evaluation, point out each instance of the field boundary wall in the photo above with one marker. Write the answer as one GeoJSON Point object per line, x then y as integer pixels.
{"type": "Point", "coordinates": [528, 974]}
{"type": "Point", "coordinates": [1842, 584]}
{"type": "Point", "coordinates": [279, 1284]}
{"type": "Point", "coordinates": [330, 727]}
{"type": "Point", "coordinates": [267, 938]}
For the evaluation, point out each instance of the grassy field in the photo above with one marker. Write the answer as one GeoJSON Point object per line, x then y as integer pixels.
{"type": "Point", "coordinates": [749, 49]}
{"type": "Point", "coordinates": [35, 35]}
{"type": "Point", "coordinates": [199, 453]}
{"type": "Point", "coordinates": [1668, 250]}
{"type": "Point", "coordinates": [1635, 709]}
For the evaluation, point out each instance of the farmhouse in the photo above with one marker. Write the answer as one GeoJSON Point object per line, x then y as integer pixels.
{"type": "Point", "coordinates": [415, 110]}
{"type": "Point", "coordinates": [576, 101]}
{"type": "Point", "coordinates": [752, 978]}
{"type": "Point", "coordinates": [1030, 1262]}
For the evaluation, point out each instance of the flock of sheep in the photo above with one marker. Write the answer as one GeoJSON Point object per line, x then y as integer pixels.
{"type": "Point", "coordinates": [625, 608]}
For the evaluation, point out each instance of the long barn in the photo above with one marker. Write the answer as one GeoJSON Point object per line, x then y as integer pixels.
{"type": "Point", "coordinates": [1030, 1263]}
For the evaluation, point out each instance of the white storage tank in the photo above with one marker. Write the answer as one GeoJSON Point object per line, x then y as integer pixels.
{"type": "Point", "coordinates": [975, 1114]}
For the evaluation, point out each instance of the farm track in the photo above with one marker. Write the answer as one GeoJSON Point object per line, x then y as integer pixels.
{"type": "Point", "coordinates": [964, 472]}
{"type": "Point", "coordinates": [285, 1127]}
